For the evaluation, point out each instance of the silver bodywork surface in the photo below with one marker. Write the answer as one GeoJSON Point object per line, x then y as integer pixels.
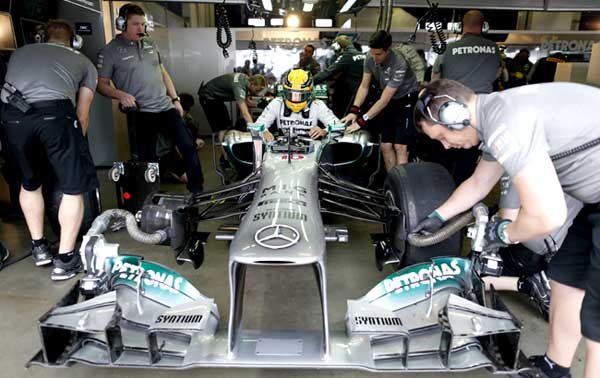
{"type": "Point", "coordinates": [426, 317]}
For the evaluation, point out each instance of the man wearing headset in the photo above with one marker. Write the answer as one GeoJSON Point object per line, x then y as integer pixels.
{"type": "Point", "coordinates": [475, 62]}
{"type": "Point", "coordinates": [546, 138]}
{"type": "Point", "coordinates": [48, 92]}
{"type": "Point", "coordinates": [347, 71]}
{"type": "Point", "coordinates": [133, 63]}
{"type": "Point", "coordinates": [393, 109]}
{"type": "Point", "coordinates": [297, 109]}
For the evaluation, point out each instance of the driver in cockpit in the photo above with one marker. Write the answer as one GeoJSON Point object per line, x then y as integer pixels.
{"type": "Point", "coordinates": [297, 109]}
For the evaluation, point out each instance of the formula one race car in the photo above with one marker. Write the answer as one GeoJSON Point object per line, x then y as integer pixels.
{"type": "Point", "coordinates": [429, 316]}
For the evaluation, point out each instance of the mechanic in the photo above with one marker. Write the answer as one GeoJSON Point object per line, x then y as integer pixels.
{"type": "Point", "coordinates": [394, 108]}
{"type": "Point", "coordinates": [347, 72]}
{"type": "Point", "coordinates": [307, 61]}
{"type": "Point", "coordinates": [57, 84]}
{"type": "Point", "coordinates": [297, 110]}
{"type": "Point", "coordinates": [133, 63]}
{"type": "Point", "coordinates": [473, 61]}
{"type": "Point", "coordinates": [225, 88]}
{"type": "Point", "coordinates": [543, 158]}
{"type": "Point", "coordinates": [518, 69]}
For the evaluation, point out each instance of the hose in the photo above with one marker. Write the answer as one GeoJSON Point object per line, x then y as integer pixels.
{"type": "Point", "coordinates": [223, 26]}
{"type": "Point", "coordinates": [101, 223]}
{"type": "Point", "coordinates": [443, 233]}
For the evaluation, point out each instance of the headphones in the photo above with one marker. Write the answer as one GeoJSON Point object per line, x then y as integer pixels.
{"type": "Point", "coordinates": [76, 41]}
{"type": "Point", "coordinates": [457, 27]}
{"type": "Point", "coordinates": [453, 114]}
{"type": "Point", "coordinates": [121, 21]}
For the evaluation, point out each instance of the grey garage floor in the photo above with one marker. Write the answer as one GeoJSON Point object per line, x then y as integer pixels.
{"type": "Point", "coordinates": [26, 292]}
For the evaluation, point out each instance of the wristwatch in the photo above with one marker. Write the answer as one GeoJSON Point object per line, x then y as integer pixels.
{"type": "Point", "coordinates": [365, 117]}
{"type": "Point", "coordinates": [176, 99]}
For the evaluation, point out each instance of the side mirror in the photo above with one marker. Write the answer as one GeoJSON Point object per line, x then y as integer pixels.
{"type": "Point", "coordinates": [256, 130]}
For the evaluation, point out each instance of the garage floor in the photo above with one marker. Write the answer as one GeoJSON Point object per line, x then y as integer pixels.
{"type": "Point", "coordinates": [273, 296]}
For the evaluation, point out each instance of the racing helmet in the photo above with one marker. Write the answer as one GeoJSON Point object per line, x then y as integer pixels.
{"type": "Point", "coordinates": [297, 90]}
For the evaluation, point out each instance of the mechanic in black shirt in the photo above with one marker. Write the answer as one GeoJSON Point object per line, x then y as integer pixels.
{"type": "Point", "coordinates": [57, 83]}
{"type": "Point", "coordinates": [347, 71]}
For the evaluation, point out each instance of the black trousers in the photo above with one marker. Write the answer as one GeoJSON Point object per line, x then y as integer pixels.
{"type": "Point", "coordinates": [169, 123]}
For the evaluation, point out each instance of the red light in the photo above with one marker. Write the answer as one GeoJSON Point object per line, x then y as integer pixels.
{"type": "Point", "coordinates": [126, 195]}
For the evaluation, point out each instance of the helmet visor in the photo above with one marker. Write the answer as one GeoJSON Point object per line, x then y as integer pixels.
{"type": "Point", "coordinates": [296, 96]}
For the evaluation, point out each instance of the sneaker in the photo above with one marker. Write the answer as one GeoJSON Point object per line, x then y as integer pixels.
{"type": "Point", "coordinates": [536, 372]}
{"type": "Point", "coordinates": [540, 293]}
{"type": "Point", "coordinates": [42, 254]}
{"type": "Point", "coordinates": [65, 270]}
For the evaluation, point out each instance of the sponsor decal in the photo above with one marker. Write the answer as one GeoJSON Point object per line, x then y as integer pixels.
{"type": "Point", "coordinates": [283, 189]}
{"type": "Point", "coordinates": [183, 319]}
{"type": "Point", "coordinates": [412, 280]}
{"type": "Point", "coordinates": [281, 201]}
{"type": "Point", "coordinates": [160, 280]}
{"type": "Point", "coordinates": [279, 214]}
{"type": "Point", "coordinates": [127, 58]}
{"type": "Point", "coordinates": [277, 236]}
{"type": "Point", "coordinates": [358, 57]}
{"type": "Point", "coordinates": [377, 320]}
{"type": "Point", "coordinates": [296, 122]}
{"type": "Point", "coordinates": [293, 157]}
{"type": "Point", "coordinates": [474, 50]}
{"type": "Point", "coordinates": [572, 45]}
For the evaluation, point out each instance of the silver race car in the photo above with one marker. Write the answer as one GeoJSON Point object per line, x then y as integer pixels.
{"type": "Point", "coordinates": [429, 315]}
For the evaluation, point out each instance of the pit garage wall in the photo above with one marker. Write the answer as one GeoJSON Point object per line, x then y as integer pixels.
{"type": "Point", "coordinates": [101, 133]}
{"type": "Point", "coordinates": [191, 55]}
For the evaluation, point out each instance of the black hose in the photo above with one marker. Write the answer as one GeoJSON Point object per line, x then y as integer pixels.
{"type": "Point", "coordinates": [223, 26]}
{"type": "Point", "coordinates": [455, 224]}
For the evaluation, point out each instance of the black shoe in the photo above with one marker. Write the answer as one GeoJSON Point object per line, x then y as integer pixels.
{"type": "Point", "coordinates": [539, 293]}
{"type": "Point", "coordinates": [65, 270]}
{"type": "Point", "coordinates": [3, 255]}
{"type": "Point", "coordinates": [536, 361]}
{"type": "Point", "coordinates": [41, 254]}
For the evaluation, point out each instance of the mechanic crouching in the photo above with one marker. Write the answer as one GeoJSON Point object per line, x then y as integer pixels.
{"type": "Point", "coordinates": [393, 110]}
{"type": "Point", "coordinates": [297, 113]}
{"type": "Point", "coordinates": [132, 61]}
{"type": "Point", "coordinates": [48, 92]}
{"type": "Point", "coordinates": [547, 140]}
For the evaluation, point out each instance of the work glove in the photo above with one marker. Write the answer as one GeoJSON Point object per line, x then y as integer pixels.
{"type": "Point", "coordinates": [495, 233]}
{"type": "Point", "coordinates": [429, 225]}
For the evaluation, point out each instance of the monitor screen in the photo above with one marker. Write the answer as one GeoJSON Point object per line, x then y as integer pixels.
{"type": "Point", "coordinates": [7, 32]}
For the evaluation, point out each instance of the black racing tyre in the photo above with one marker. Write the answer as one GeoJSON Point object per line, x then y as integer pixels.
{"type": "Point", "coordinates": [417, 189]}
{"type": "Point", "coordinates": [91, 204]}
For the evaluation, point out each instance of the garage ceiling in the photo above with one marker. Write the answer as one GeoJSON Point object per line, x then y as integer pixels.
{"type": "Point", "coordinates": [540, 5]}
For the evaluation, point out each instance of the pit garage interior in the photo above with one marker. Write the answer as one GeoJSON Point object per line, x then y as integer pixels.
{"type": "Point", "coordinates": [282, 298]}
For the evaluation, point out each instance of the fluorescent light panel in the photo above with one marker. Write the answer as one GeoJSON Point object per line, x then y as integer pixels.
{"type": "Point", "coordinates": [256, 21]}
{"type": "Point", "coordinates": [323, 22]}
{"type": "Point", "coordinates": [277, 22]}
{"type": "Point", "coordinates": [268, 5]}
{"type": "Point", "coordinates": [347, 5]}
{"type": "Point", "coordinates": [307, 7]}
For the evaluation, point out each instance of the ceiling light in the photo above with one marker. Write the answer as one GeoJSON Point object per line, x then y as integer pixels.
{"type": "Point", "coordinates": [347, 24]}
{"type": "Point", "coordinates": [307, 7]}
{"type": "Point", "coordinates": [268, 5]}
{"type": "Point", "coordinates": [277, 22]}
{"type": "Point", "coordinates": [323, 22]}
{"type": "Point", "coordinates": [256, 22]}
{"type": "Point", "coordinates": [347, 5]}
{"type": "Point", "coordinates": [293, 21]}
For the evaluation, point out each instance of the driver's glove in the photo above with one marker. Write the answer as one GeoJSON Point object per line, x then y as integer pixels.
{"type": "Point", "coordinates": [495, 233]}
{"type": "Point", "coordinates": [429, 225]}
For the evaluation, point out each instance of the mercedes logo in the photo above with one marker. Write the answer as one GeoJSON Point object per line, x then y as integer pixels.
{"type": "Point", "coordinates": [277, 236]}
